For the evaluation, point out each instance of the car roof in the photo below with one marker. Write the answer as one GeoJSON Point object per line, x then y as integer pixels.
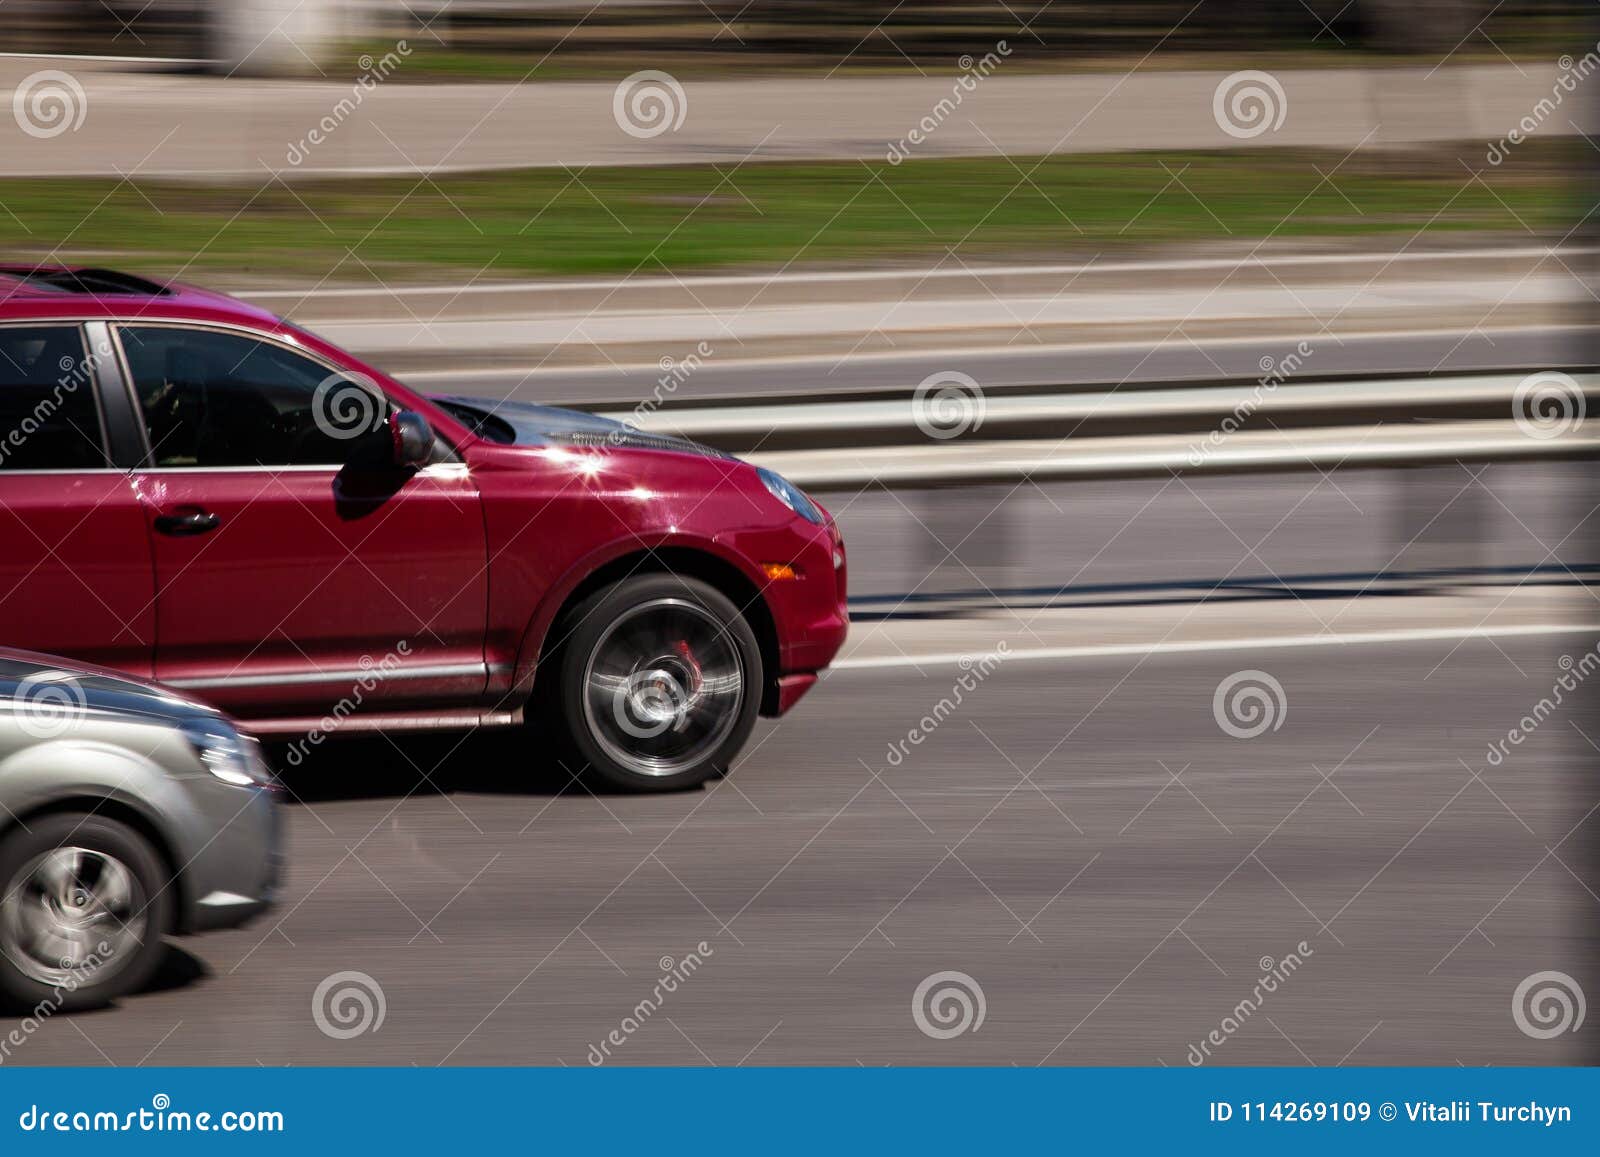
{"type": "Point", "coordinates": [82, 293]}
{"type": "Point", "coordinates": [42, 292]}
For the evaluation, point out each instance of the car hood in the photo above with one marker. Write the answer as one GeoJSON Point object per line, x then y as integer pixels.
{"type": "Point", "coordinates": [50, 684]}
{"type": "Point", "coordinates": [530, 424]}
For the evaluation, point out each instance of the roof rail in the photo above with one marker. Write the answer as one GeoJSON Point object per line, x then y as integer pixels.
{"type": "Point", "coordinates": [89, 282]}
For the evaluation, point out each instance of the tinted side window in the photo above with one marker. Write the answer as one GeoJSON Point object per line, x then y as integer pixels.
{"type": "Point", "coordinates": [222, 399]}
{"type": "Point", "coordinates": [49, 419]}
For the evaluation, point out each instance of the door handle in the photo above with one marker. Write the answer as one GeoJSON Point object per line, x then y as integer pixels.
{"type": "Point", "coordinates": [190, 522]}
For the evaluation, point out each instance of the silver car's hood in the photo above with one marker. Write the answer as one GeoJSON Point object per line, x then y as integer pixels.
{"type": "Point", "coordinates": [530, 424]}
{"type": "Point", "coordinates": [31, 682]}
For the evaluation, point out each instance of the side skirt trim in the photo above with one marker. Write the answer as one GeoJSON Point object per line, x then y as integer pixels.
{"type": "Point", "coordinates": [433, 720]}
{"type": "Point", "coordinates": [336, 675]}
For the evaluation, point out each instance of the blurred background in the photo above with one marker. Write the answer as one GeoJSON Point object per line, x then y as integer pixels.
{"type": "Point", "coordinates": [482, 37]}
{"type": "Point", "coordinates": [1172, 347]}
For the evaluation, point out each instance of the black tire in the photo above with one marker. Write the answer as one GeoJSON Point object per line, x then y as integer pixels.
{"type": "Point", "coordinates": [150, 897]}
{"type": "Point", "coordinates": [591, 633]}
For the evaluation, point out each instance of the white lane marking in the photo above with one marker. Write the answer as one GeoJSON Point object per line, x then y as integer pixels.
{"type": "Point", "coordinates": [1356, 638]}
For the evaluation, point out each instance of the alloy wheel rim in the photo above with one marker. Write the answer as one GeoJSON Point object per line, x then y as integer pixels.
{"type": "Point", "coordinates": [72, 916]}
{"type": "Point", "coordinates": [663, 686]}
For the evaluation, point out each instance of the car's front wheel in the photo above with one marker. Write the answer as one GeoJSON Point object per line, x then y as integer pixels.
{"type": "Point", "coordinates": [659, 683]}
{"type": "Point", "coordinates": [85, 904]}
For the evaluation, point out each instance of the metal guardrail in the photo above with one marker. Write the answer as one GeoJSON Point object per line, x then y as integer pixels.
{"type": "Point", "coordinates": [1202, 404]}
{"type": "Point", "coordinates": [1108, 434]}
{"type": "Point", "coordinates": [966, 463]}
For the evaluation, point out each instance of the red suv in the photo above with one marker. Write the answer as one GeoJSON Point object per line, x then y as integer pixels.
{"type": "Point", "coordinates": [196, 491]}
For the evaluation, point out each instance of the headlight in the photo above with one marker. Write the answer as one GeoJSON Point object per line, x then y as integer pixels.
{"type": "Point", "coordinates": [791, 496]}
{"type": "Point", "coordinates": [231, 757]}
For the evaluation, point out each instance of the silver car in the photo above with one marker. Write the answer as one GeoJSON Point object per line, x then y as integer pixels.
{"type": "Point", "coordinates": [127, 813]}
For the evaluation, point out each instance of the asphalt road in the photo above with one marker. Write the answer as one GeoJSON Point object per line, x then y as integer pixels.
{"type": "Point", "coordinates": [1080, 839]}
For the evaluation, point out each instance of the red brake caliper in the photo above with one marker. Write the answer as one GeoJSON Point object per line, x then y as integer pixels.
{"type": "Point", "coordinates": [687, 654]}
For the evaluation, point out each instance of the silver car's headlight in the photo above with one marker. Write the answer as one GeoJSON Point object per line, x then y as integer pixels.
{"type": "Point", "coordinates": [791, 496]}
{"type": "Point", "coordinates": [231, 757]}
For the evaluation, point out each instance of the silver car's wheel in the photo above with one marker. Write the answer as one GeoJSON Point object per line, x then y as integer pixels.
{"type": "Point", "coordinates": [72, 915]}
{"type": "Point", "coordinates": [85, 905]}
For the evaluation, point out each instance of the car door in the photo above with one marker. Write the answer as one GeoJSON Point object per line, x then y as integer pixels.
{"type": "Point", "coordinates": [75, 568]}
{"type": "Point", "coordinates": [294, 575]}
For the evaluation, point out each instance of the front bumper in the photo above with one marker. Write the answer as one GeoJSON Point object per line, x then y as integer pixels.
{"type": "Point", "coordinates": [789, 690]}
{"type": "Point", "coordinates": [811, 615]}
{"type": "Point", "coordinates": [236, 877]}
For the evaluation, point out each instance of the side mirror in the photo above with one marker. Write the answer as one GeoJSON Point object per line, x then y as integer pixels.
{"type": "Point", "coordinates": [411, 438]}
